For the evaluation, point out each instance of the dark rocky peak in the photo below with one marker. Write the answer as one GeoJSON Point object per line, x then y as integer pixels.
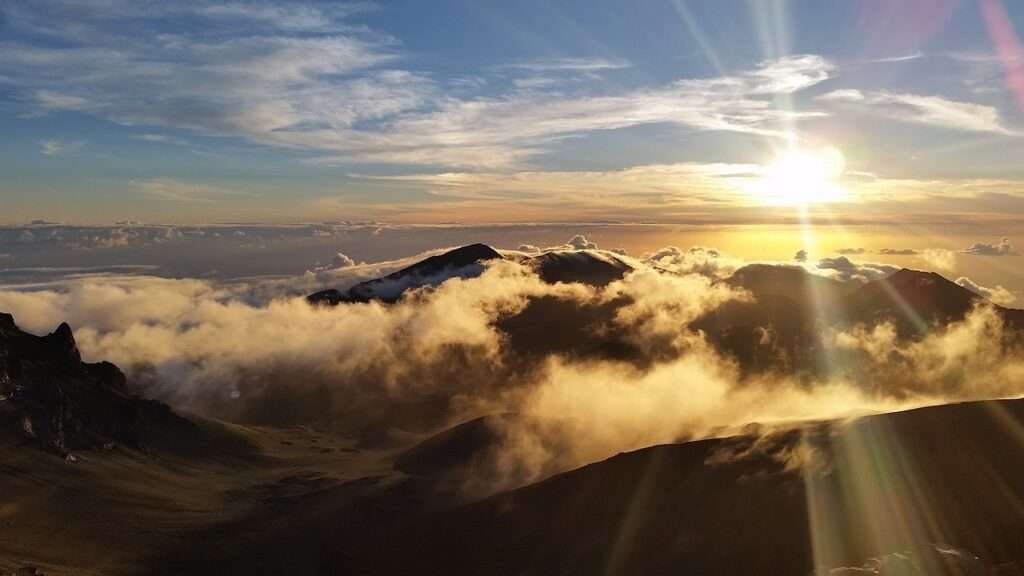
{"type": "Point", "coordinates": [461, 262]}
{"type": "Point", "coordinates": [583, 266]}
{"type": "Point", "coordinates": [917, 287]}
{"type": "Point", "coordinates": [62, 343]}
{"type": "Point", "coordinates": [775, 279]}
{"type": "Point", "coordinates": [915, 300]}
{"type": "Point", "coordinates": [918, 279]}
{"type": "Point", "coordinates": [457, 258]}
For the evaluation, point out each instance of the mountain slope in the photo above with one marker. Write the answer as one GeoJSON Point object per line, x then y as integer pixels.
{"type": "Point", "coordinates": [825, 495]}
{"type": "Point", "coordinates": [741, 505]}
{"type": "Point", "coordinates": [913, 300]}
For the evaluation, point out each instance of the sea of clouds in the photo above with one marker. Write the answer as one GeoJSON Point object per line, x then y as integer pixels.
{"type": "Point", "coordinates": [252, 351]}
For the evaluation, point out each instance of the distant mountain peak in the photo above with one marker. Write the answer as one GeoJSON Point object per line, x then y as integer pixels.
{"type": "Point", "coordinates": [455, 258]}
{"type": "Point", "coordinates": [584, 266]}
{"type": "Point", "coordinates": [464, 261]}
{"type": "Point", "coordinates": [923, 281]}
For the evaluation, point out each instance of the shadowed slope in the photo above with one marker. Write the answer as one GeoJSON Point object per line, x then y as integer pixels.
{"type": "Point", "coordinates": [758, 504]}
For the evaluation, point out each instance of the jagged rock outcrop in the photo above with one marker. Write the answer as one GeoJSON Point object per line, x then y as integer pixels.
{"type": "Point", "coordinates": [51, 397]}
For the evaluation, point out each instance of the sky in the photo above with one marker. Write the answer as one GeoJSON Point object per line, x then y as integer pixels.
{"type": "Point", "coordinates": [457, 111]}
{"type": "Point", "coordinates": [892, 130]}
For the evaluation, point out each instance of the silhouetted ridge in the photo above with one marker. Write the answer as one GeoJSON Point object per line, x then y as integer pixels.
{"type": "Point", "coordinates": [50, 396]}
{"type": "Point", "coordinates": [913, 300]}
{"type": "Point", "coordinates": [586, 267]}
{"type": "Point", "coordinates": [780, 328]}
{"type": "Point", "coordinates": [774, 278]}
{"type": "Point", "coordinates": [457, 258]}
{"type": "Point", "coordinates": [460, 262]}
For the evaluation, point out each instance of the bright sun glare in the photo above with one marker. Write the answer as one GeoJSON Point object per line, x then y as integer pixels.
{"type": "Point", "coordinates": [800, 176]}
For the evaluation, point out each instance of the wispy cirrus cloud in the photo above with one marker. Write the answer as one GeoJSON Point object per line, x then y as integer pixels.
{"type": "Point", "coordinates": [930, 110]}
{"type": "Point", "coordinates": [502, 131]}
{"type": "Point", "coordinates": [55, 147]}
{"type": "Point", "coordinates": [162, 139]}
{"type": "Point", "coordinates": [895, 59]}
{"type": "Point", "coordinates": [300, 17]}
{"type": "Point", "coordinates": [178, 191]}
{"type": "Point", "coordinates": [637, 193]}
{"type": "Point", "coordinates": [569, 64]}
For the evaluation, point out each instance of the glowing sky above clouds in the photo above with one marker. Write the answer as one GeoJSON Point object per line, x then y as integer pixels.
{"type": "Point", "coordinates": [673, 112]}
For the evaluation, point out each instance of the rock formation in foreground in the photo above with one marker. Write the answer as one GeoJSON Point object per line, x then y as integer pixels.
{"type": "Point", "coordinates": [51, 397]}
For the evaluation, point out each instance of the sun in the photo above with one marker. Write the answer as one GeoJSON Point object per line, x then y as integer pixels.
{"type": "Point", "coordinates": [801, 176]}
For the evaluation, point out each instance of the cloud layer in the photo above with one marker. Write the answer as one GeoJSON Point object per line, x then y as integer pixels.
{"type": "Point", "coordinates": [446, 354]}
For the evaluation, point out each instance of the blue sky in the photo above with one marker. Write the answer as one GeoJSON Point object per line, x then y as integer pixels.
{"type": "Point", "coordinates": [667, 111]}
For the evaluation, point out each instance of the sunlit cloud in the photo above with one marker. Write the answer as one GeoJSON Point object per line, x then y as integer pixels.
{"type": "Point", "coordinates": [842, 268]}
{"type": "Point", "coordinates": [929, 110]}
{"type": "Point", "coordinates": [1003, 248]}
{"type": "Point", "coordinates": [748, 192]}
{"type": "Point", "coordinates": [996, 294]}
